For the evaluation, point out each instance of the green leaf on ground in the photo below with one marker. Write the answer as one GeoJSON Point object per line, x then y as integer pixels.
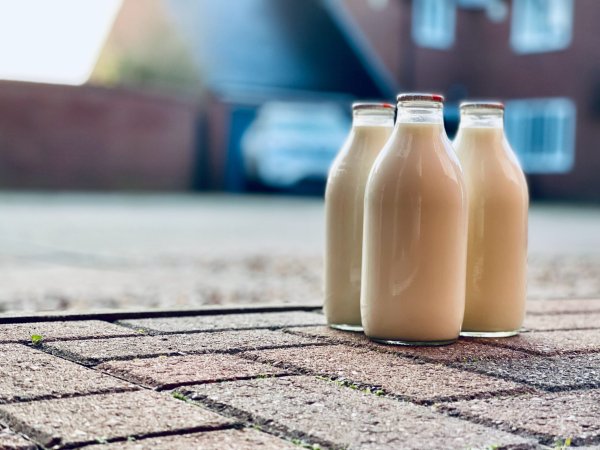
{"type": "Point", "coordinates": [304, 444]}
{"type": "Point", "coordinates": [561, 445]}
{"type": "Point", "coordinates": [36, 339]}
{"type": "Point", "coordinates": [179, 396]}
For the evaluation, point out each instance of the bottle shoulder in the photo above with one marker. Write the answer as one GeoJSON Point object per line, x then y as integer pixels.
{"type": "Point", "coordinates": [437, 181]}
{"type": "Point", "coordinates": [424, 158]}
{"type": "Point", "coordinates": [496, 168]}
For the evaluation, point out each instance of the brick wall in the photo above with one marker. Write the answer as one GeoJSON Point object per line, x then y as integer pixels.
{"type": "Point", "coordinates": [65, 137]}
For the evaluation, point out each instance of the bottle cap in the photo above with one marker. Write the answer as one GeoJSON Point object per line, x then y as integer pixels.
{"type": "Point", "coordinates": [372, 105]}
{"type": "Point", "coordinates": [482, 105]}
{"type": "Point", "coordinates": [420, 96]}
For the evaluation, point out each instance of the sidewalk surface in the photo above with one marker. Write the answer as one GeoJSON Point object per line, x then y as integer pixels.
{"type": "Point", "coordinates": [273, 377]}
{"type": "Point", "coordinates": [91, 251]}
{"type": "Point", "coordinates": [277, 378]}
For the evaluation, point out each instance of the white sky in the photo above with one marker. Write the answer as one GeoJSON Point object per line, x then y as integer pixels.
{"type": "Point", "coordinates": [53, 41]}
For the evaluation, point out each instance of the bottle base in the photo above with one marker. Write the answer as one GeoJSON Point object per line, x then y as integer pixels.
{"type": "Point", "coordinates": [489, 334]}
{"type": "Point", "coordinates": [413, 343]}
{"type": "Point", "coordinates": [346, 327]}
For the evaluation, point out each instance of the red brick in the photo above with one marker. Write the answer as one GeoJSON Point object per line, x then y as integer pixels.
{"type": "Point", "coordinates": [168, 372]}
{"type": "Point", "coordinates": [86, 137]}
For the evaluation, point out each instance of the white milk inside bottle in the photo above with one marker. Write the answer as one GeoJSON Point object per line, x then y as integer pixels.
{"type": "Point", "coordinates": [498, 205]}
{"type": "Point", "coordinates": [372, 125]}
{"type": "Point", "coordinates": [415, 236]}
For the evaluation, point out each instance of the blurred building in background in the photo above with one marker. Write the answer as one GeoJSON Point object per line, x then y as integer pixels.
{"type": "Point", "coordinates": [255, 94]}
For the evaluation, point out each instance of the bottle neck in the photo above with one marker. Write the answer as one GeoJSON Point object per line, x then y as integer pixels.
{"type": "Point", "coordinates": [482, 119]}
{"type": "Point", "coordinates": [373, 118]}
{"type": "Point", "coordinates": [420, 112]}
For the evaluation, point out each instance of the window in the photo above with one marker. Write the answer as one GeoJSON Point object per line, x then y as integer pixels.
{"type": "Point", "coordinates": [542, 132]}
{"type": "Point", "coordinates": [433, 23]}
{"type": "Point", "coordinates": [541, 25]}
{"type": "Point", "coordinates": [495, 10]}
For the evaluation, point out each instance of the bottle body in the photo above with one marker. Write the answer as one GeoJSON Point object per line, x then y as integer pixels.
{"type": "Point", "coordinates": [414, 253]}
{"type": "Point", "coordinates": [344, 202]}
{"type": "Point", "coordinates": [497, 239]}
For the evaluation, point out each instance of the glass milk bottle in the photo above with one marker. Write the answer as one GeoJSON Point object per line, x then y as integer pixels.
{"type": "Point", "coordinates": [372, 124]}
{"type": "Point", "coordinates": [415, 232]}
{"type": "Point", "coordinates": [498, 204]}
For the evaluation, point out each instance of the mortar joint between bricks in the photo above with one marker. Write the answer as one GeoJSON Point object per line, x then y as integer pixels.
{"type": "Point", "coordinates": [143, 436]}
{"type": "Point", "coordinates": [236, 351]}
{"type": "Point", "coordinates": [92, 362]}
{"type": "Point", "coordinates": [175, 386]}
{"type": "Point", "coordinates": [115, 390]}
{"type": "Point", "coordinates": [154, 332]}
{"type": "Point", "coordinates": [140, 386]}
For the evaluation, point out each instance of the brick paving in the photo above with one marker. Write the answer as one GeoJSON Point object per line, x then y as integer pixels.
{"type": "Point", "coordinates": [169, 372]}
{"type": "Point", "coordinates": [68, 251]}
{"type": "Point", "coordinates": [29, 374]}
{"type": "Point", "coordinates": [548, 373]}
{"type": "Point", "coordinates": [13, 441]}
{"type": "Point", "coordinates": [552, 343]}
{"type": "Point", "coordinates": [97, 418]}
{"type": "Point", "coordinates": [248, 439]}
{"type": "Point", "coordinates": [572, 414]}
{"type": "Point", "coordinates": [337, 416]}
{"type": "Point", "coordinates": [52, 331]}
{"type": "Point", "coordinates": [464, 349]}
{"type": "Point", "coordinates": [550, 322]}
{"type": "Point", "coordinates": [228, 322]}
{"type": "Point", "coordinates": [283, 380]}
{"type": "Point", "coordinates": [416, 381]}
{"type": "Point", "coordinates": [92, 352]}
{"type": "Point", "coordinates": [564, 306]}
